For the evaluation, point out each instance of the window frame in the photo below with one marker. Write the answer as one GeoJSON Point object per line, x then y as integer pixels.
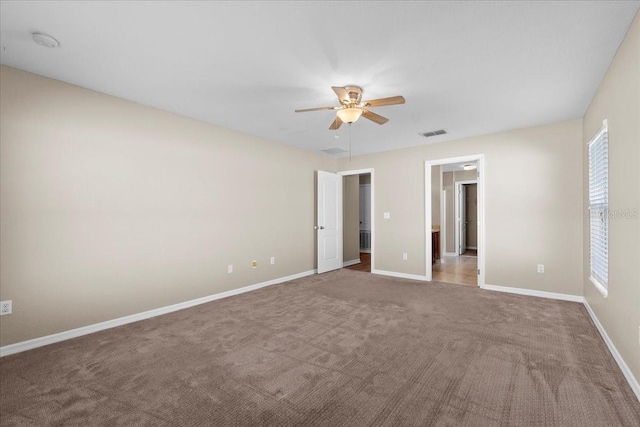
{"type": "Point", "coordinates": [598, 206]}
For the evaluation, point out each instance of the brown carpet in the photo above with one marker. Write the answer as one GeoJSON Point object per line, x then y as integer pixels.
{"type": "Point", "coordinates": [342, 348]}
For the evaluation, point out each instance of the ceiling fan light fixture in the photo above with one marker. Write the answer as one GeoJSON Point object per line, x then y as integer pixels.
{"type": "Point", "coordinates": [349, 115]}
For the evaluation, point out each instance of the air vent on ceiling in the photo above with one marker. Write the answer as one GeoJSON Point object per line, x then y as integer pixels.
{"type": "Point", "coordinates": [433, 133]}
{"type": "Point", "coordinates": [334, 150]}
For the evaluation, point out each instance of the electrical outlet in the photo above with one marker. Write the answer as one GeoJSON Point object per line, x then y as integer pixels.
{"type": "Point", "coordinates": [273, 260]}
{"type": "Point", "coordinates": [230, 268]}
{"type": "Point", "coordinates": [540, 268]}
{"type": "Point", "coordinates": [5, 307]}
{"type": "Point", "coordinates": [254, 263]}
{"type": "Point", "coordinates": [404, 256]}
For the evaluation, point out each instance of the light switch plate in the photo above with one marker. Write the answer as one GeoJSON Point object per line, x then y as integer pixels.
{"type": "Point", "coordinates": [387, 215]}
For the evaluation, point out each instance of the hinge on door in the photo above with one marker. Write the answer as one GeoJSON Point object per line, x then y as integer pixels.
{"type": "Point", "coordinates": [478, 272]}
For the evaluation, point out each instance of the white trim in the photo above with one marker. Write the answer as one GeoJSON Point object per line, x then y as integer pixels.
{"type": "Point", "coordinates": [534, 293]}
{"type": "Point", "coordinates": [400, 275]}
{"type": "Point", "coordinates": [602, 289]}
{"type": "Point", "coordinates": [85, 330]}
{"type": "Point", "coordinates": [428, 226]}
{"type": "Point", "coordinates": [365, 251]}
{"type": "Point", "coordinates": [450, 254]}
{"type": "Point", "coordinates": [473, 248]}
{"type": "Point", "coordinates": [351, 262]}
{"type": "Point", "coordinates": [443, 218]}
{"type": "Point", "coordinates": [603, 128]}
{"type": "Point", "coordinates": [356, 172]}
{"type": "Point", "coordinates": [479, 158]}
{"type": "Point", "coordinates": [443, 237]}
{"type": "Point", "coordinates": [633, 382]}
{"type": "Point", "coordinates": [369, 171]}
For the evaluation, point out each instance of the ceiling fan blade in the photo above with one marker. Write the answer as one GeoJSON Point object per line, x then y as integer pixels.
{"type": "Point", "coordinates": [336, 124]}
{"type": "Point", "coordinates": [304, 110]}
{"type": "Point", "coordinates": [394, 100]}
{"type": "Point", "coordinates": [374, 117]}
{"type": "Point", "coordinates": [342, 93]}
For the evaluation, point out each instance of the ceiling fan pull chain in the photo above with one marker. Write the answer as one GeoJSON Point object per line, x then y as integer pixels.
{"type": "Point", "coordinates": [349, 142]}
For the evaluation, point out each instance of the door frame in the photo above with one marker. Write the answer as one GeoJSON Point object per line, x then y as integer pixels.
{"type": "Point", "coordinates": [479, 158]}
{"type": "Point", "coordinates": [372, 204]}
{"type": "Point", "coordinates": [456, 229]}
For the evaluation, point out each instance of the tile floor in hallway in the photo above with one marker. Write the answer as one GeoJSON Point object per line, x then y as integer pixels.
{"type": "Point", "coordinates": [461, 270]}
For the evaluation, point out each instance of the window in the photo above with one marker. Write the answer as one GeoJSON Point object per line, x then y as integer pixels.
{"type": "Point", "coordinates": [599, 208]}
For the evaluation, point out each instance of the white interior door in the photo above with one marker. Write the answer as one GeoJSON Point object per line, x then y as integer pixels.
{"type": "Point", "coordinates": [329, 225]}
{"type": "Point", "coordinates": [462, 219]}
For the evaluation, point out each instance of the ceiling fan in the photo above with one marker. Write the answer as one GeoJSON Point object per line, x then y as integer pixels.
{"type": "Point", "coordinates": [352, 106]}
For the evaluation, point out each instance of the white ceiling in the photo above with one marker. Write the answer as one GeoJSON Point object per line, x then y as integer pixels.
{"type": "Point", "coordinates": [467, 67]}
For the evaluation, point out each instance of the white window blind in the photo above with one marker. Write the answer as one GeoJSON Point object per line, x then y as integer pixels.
{"type": "Point", "coordinates": [599, 208]}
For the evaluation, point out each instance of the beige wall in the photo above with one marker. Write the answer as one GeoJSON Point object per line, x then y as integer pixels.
{"type": "Point", "coordinates": [110, 208]}
{"type": "Point", "coordinates": [618, 101]}
{"type": "Point", "coordinates": [351, 218]}
{"type": "Point", "coordinates": [548, 215]}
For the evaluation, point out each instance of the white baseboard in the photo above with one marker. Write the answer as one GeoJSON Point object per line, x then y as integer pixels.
{"type": "Point", "coordinates": [351, 262]}
{"type": "Point", "coordinates": [450, 254]}
{"type": "Point", "coordinates": [534, 293]}
{"type": "Point", "coordinates": [365, 251]}
{"type": "Point", "coordinates": [633, 382]}
{"type": "Point", "coordinates": [400, 275]}
{"type": "Point", "coordinates": [85, 330]}
{"type": "Point", "coordinates": [473, 248]}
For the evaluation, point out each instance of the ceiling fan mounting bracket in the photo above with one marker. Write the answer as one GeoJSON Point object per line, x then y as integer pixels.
{"type": "Point", "coordinates": [355, 95]}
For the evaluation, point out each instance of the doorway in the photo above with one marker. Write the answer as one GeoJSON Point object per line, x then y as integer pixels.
{"type": "Point", "coordinates": [466, 217]}
{"type": "Point", "coordinates": [358, 235]}
{"type": "Point", "coordinates": [455, 211]}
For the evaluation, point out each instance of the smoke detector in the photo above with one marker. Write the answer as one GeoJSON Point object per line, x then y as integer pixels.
{"type": "Point", "coordinates": [45, 40]}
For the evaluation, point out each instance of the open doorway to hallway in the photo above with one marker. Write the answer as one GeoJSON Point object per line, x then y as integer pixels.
{"type": "Point", "coordinates": [459, 263]}
{"type": "Point", "coordinates": [357, 220]}
{"type": "Point", "coordinates": [455, 214]}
